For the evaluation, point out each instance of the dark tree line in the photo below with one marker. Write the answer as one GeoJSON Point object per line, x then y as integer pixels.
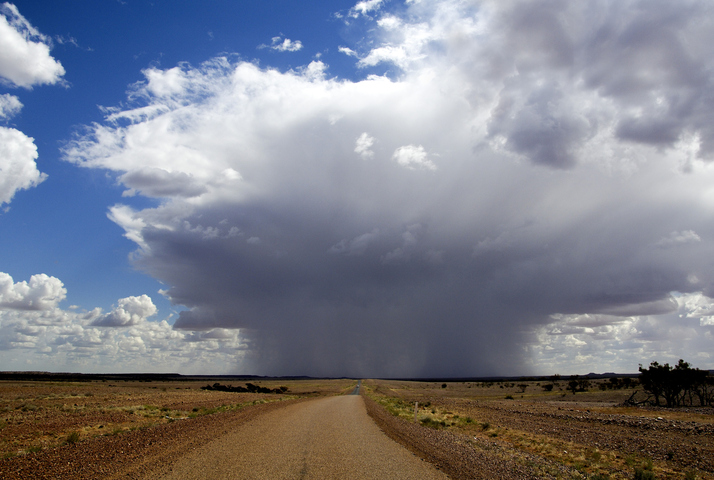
{"type": "Point", "coordinates": [249, 388]}
{"type": "Point", "coordinates": [677, 386]}
{"type": "Point", "coordinates": [615, 383]}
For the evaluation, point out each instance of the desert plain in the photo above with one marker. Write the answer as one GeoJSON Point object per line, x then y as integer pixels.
{"type": "Point", "coordinates": [524, 428]}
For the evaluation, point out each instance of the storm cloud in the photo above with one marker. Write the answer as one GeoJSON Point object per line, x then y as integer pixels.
{"type": "Point", "coordinates": [528, 175]}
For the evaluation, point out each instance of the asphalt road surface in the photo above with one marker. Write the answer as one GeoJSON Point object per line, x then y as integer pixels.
{"type": "Point", "coordinates": [323, 438]}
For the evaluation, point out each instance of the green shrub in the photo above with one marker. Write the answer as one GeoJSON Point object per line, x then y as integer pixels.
{"type": "Point", "coordinates": [431, 423]}
{"type": "Point", "coordinates": [509, 397]}
{"type": "Point", "coordinates": [73, 437]}
{"type": "Point", "coordinates": [641, 474]}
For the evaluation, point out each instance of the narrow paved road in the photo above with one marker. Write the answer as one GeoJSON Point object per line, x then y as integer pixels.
{"type": "Point", "coordinates": [323, 438]}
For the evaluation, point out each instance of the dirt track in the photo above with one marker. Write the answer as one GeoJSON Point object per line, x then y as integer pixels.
{"type": "Point", "coordinates": [324, 438]}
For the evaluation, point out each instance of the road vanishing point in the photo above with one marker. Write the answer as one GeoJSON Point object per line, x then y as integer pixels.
{"type": "Point", "coordinates": [325, 438]}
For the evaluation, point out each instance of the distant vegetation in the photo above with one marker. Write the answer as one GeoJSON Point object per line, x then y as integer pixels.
{"type": "Point", "coordinates": [249, 388]}
{"type": "Point", "coordinates": [677, 386]}
{"type": "Point", "coordinates": [577, 384]}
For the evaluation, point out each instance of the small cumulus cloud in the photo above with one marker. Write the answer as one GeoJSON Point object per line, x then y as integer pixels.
{"type": "Point", "coordinates": [10, 105]}
{"type": "Point", "coordinates": [41, 293]}
{"type": "Point", "coordinates": [35, 330]}
{"type": "Point", "coordinates": [18, 170]}
{"type": "Point", "coordinates": [280, 44]}
{"type": "Point", "coordinates": [25, 58]}
{"type": "Point", "coordinates": [25, 61]}
{"type": "Point", "coordinates": [347, 51]}
{"type": "Point", "coordinates": [413, 157]}
{"type": "Point", "coordinates": [364, 7]}
{"type": "Point", "coordinates": [363, 146]}
{"type": "Point", "coordinates": [129, 311]}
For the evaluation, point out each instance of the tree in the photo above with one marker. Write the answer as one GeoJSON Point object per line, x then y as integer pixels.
{"type": "Point", "coordinates": [677, 386]}
{"type": "Point", "coordinates": [654, 379]}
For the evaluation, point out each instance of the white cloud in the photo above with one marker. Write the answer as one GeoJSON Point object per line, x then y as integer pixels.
{"type": "Point", "coordinates": [413, 157]}
{"type": "Point", "coordinates": [347, 51]}
{"type": "Point", "coordinates": [165, 83]}
{"type": "Point", "coordinates": [36, 334]}
{"type": "Point", "coordinates": [364, 7]}
{"type": "Point", "coordinates": [25, 58]}
{"type": "Point", "coordinates": [9, 106]}
{"type": "Point", "coordinates": [41, 293]}
{"type": "Point", "coordinates": [363, 146]}
{"type": "Point", "coordinates": [130, 311]}
{"type": "Point", "coordinates": [24, 61]}
{"type": "Point", "coordinates": [561, 131]}
{"type": "Point", "coordinates": [18, 170]}
{"type": "Point", "coordinates": [281, 44]}
{"type": "Point", "coordinates": [604, 343]}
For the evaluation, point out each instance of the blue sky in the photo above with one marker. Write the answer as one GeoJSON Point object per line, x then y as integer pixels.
{"type": "Point", "coordinates": [373, 188]}
{"type": "Point", "coordinates": [103, 47]}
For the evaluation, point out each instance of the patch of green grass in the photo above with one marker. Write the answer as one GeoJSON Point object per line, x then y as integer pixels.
{"type": "Point", "coordinates": [641, 474]}
{"type": "Point", "coordinates": [72, 437]}
{"type": "Point", "coordinates": [431, 423]}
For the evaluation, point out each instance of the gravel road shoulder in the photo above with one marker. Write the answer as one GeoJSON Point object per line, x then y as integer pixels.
{"type": "Point", "coordinates": [464, 457]}
{"type": "Point", "coordinates": [130, 455]}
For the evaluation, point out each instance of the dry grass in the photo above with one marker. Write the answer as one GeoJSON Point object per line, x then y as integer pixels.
{"type": "Point", "coordinates": [579, 431]}
{"type": "Point", "coordinates": [38, 415]}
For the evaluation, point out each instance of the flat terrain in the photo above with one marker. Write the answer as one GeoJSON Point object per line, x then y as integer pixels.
{"type": "Point", "coordinates": [554, 434]}
{"type": "Point", "coordinates": [322, 438]}
{"type": "Point", "coordinates": [132, 429]}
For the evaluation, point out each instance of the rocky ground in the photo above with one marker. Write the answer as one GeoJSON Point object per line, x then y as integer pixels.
{"type": "Point", "coordinates": [585, 434]}
{"type": "Point", "coordinates": [464, 457]}
{"type": "Point", "coordinates": [129, 455]}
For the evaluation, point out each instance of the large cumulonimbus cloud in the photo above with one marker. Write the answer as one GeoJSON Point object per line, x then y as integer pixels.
{"type": "Point", "coordinates": [535, 177]}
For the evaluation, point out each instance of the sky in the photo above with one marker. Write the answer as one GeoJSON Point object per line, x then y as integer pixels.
{"type": "Point", "coordinates": [376, 188]}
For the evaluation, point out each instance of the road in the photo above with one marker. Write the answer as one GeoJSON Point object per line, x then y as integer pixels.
{"type": "Point", "coordinates": [319, 439]}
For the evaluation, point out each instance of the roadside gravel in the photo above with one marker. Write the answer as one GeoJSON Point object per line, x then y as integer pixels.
{"type": "Point", "coordinates": [129, 455]}
{"type": "Point", "coordinates": [464, 457]}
